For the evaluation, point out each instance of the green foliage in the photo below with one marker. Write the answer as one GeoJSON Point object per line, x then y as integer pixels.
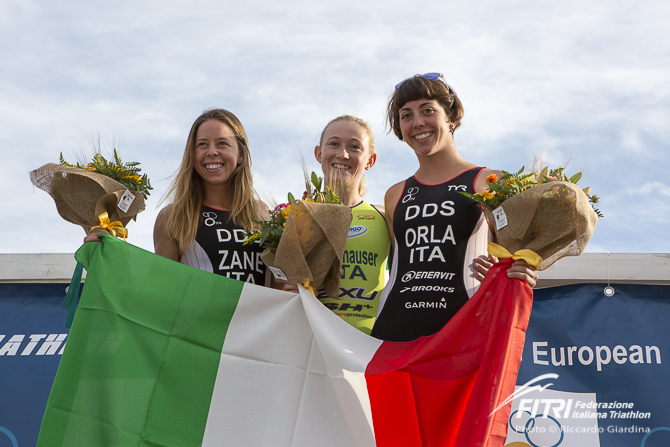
{"type": "Point", "coordinates": [272, 228]}
{"type": "Point", "coordinates": [511, 184]}
{"type": "Point", "coordinates": [128, 174]}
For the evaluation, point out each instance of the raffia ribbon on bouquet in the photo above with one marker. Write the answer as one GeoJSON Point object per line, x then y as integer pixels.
{"type": "Point", "coordinates": [112, 227]}
{"type": "Point", "coordinates": [553, 220]}
{"type": "Point", "coordinates": [529, 256]}
{"type": "Point", "coordinates": [312, 245]}
{"type": "Point", "coordinates": [82, 195]}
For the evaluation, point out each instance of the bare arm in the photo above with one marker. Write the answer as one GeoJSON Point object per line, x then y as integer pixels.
{"type": "Point", "coordinates": [390, 200]}
{"type": "Point", "coordinates": [164, 245]}
{"type": "Point", "coordinates": [381, 209]}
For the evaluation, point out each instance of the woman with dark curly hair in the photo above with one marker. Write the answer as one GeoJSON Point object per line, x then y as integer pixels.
{"type": "Point", "coordinates": [439, 237]}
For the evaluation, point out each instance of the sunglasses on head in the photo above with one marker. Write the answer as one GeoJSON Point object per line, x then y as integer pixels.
{"type": "Point", "coordinates": [438, 76]}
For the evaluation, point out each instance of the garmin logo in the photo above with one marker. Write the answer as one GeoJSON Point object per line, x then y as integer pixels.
{"type": "Point", "coordinates": [358, 230]}
{"type": "Point", "coordinates": [426, 304]}
{"type": "Point", "coordinates": [426, 275]}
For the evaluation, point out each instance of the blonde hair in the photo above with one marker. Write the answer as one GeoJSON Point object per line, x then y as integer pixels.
{"type": "Point", "coordinates": [363, 186]}
{"type": "Point", "coordinates": [186, 190]}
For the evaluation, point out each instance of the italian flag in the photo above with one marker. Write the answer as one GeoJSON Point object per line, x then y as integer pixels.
{"type": "Point", "coordinates": [162, 354]}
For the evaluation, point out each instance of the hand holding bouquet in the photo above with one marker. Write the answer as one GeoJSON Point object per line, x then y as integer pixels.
{"type": "Point", "coordinates": [84, 193]}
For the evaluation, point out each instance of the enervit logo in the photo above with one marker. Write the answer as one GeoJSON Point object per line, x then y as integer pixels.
{"type": "Point", "coordinates": [358, 230]}
{"type": "Point", "coordinates": [366, 217]}
{"type": "Point", "coordinates": [426, 275]}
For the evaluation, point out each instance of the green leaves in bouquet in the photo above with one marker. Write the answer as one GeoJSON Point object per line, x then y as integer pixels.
{"type": "Point", "coordinates": [128, 174]}
{"type": "Point", "coordinates": [594, 199]}
{"type": "Point", "coordinates": [316, 181]}
{"type": "Point", "coordinates": [512, 184]}
{"type": "Point", "coordinates": [271, 229]}
{"type": "Point", "coordinates": [317, 195]}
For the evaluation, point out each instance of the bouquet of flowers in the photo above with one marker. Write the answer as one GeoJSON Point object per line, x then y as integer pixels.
{"type": "Point", "coordinates": [304, 239]}
{"type": "Point", "coordinates": [544, 211]}
{"type": "Point", "coordinates": [103, 193]}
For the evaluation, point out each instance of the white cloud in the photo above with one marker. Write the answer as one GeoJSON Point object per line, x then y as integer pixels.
{"type": "Point", "coordinates": [589, 85]}
{"type": "Point", "coordinates": [649, 189]}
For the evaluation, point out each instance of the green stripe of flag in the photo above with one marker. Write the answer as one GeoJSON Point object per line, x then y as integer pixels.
{"type": "Point", "coordinates": [135, 395]}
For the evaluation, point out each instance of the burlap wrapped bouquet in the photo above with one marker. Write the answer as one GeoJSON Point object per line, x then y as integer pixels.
{"type": "Point", "coordinates": [312, 245]}
{"type": "Point", "coordinates": [552, 219]}
{"type": "Point", "coordinates": [81, 195]}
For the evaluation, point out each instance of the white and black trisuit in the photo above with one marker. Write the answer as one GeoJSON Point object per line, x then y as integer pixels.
{"type": "Point", "coordinates": [438, 234]}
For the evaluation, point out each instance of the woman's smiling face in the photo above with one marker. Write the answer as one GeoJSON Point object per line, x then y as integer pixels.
{"type": "Point", "coordinates": [424, 126]}
{"type": "Point", "coordinates": [344, 152]}
{"type": "Point", "coordinates": [217, 154]}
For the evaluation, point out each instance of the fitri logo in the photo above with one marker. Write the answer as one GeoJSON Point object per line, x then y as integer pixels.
{"type": "Point", "coordinates": [410, 194]}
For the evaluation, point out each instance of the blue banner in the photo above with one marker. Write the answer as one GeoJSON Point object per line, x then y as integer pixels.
{"type": "Point", "coordinates": [595, 369]}
{"type": "Point", "coordinates": [594, 372]}
{"type": "Point", "coordinates": [32, 338]}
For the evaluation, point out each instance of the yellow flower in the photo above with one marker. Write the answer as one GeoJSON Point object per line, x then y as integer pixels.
{"type": "Point", "coordinates": [492, 178]}
{"type": "Point", "coordinates": [252, 238]}
{"type": "Point", "coordinates": [286, 211]}
{"type": "Point", "coordinates": [486, 195]}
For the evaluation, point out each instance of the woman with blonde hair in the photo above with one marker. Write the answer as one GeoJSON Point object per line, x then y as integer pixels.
{"type": "Point", "coordinates": [346, 150]}
{"type": "Point", "coordinates": [213, 203]}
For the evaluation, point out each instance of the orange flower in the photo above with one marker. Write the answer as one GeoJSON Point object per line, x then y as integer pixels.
{"type": "Point", "coordinates": [486, 195]}
{"type": "Point", "coordinates": [492, 178]}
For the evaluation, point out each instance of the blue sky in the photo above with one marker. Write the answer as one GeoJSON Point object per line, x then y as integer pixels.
{"type": "Point", "coordinates": [584, 82]}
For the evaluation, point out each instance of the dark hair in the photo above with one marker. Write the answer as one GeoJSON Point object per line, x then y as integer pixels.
{"type": "Point", "coordinates": [419, 87]}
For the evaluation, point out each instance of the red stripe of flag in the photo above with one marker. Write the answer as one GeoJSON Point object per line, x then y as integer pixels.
{"type": "Point", "coordinates": [446, 385]}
